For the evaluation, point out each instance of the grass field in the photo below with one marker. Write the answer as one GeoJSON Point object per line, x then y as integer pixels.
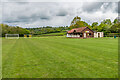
{"type": "Point", "coordinates": [60, 57]}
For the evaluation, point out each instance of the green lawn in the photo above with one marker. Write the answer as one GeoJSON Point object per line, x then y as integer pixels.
{"type": "Point", "coordinates": [60, 57]}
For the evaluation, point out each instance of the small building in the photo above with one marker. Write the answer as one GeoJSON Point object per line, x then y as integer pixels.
{"type": "Point", "coordinates": [83, 32]}
{"type": "Point", "coordinates": [98, 34]}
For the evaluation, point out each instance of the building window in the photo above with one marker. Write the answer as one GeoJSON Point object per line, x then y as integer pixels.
{"type": "Point", "coordinates": [81, 35]}
{"type": "Point", "coordinates": [74, 30]}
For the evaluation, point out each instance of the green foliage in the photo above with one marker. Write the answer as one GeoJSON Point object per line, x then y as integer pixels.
{"type": "Point", "coordinates": [115, 21]}
{"type": "Point", "coordinates": [107, 21]}
{"type": "Point", "coordinates": [76, 23]}
{"type": "Point", "coordinates": [112, 34]}
{"type": "Point", "coordinates": [94, 26]}
{"type": "Point", "coordinates": [104, 26]}
{"type": "Point", "coordinates": [13, 30]}
{"type": "Point", "coordinates": [47, 30]}
{"type": "Point", "coordinates": [115, 28]}
{"type": "Point", "coordinates": [75, 20]}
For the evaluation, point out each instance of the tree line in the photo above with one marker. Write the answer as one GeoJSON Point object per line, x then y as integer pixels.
{"type": "Point", "coordinates": [6, 29]}
{"type": "Point", "coordinates": [106, 26]}
{"type": "Point", "coordinates": [47, 30]}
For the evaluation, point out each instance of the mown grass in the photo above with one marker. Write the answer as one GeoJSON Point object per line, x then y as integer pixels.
{"type": "Point", "coordinates": [0, 58]}
{"type": "Point", "coordinates": [60, 57]}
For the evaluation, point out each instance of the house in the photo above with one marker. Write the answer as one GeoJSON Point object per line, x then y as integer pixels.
{"type": "Point", "coordinates": [83, 32]}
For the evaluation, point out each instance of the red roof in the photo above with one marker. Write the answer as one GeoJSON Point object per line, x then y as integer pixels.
{"type": "Point", "coordinates": [77, 29]}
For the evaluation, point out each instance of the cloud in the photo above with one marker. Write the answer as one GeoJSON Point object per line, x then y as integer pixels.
{"type": "Point", "coordinates": [119, 7]}
{"type": "Point", "coordinates": [91, 6]}
{"type": "Point", "coordinates": [62, 12]}
{"type": "Point", "coordinates": [60, 0]}
{"type": "Point", "coordinates": [32, 14]}
{"type": "Point", "coordinates": [14, 0]}
{"type": "Point", "coordinates": [0, 13]}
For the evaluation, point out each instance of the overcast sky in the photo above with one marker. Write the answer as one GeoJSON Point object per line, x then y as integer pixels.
{"type": "Point", "coordinates": [37, 14]}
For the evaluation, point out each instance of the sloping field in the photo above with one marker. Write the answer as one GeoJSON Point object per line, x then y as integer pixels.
{"type": "Point", "coordinates": [60, 57]}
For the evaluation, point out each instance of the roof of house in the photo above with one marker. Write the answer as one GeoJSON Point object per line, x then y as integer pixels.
{"type": "Point", "coordinates": [77, 29]}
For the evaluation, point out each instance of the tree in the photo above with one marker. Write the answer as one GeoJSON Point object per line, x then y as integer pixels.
{"type": "Point", "coordinates": [75, 20]}
{"type": "Point", "coordinates": [115, 21]}
{"type": "Point", "coordinates": [6, 29]}
{"type": "Point", "coordinates": [76, 23]}
{"type": "Point", "coordinates": [115, 28]}
{"type": "Point", "coordinates": [107, 21]}
{"type": "Point", "coordinates": [105, 26]}
{"type": "Point", "coordinates": [94, 26]}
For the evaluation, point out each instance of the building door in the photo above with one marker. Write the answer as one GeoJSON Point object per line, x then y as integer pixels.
{"type": "Point", "coordinates": [98, 34]}
{"type": "Point", "coordinates": [87, 35]}
{"type": "Point", "coordinates": [81, 35]}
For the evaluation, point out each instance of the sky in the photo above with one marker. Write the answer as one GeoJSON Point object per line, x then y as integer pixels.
{"type": "Point", "coordinates": [57, 13]}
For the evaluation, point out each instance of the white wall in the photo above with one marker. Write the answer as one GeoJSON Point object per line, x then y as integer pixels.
{"type": "Point", "coordinates": [96, 34]}
{"type": "Point", "coordinates": [85, 35]}
{"type": "Point", "coordinates": [68, 35]}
